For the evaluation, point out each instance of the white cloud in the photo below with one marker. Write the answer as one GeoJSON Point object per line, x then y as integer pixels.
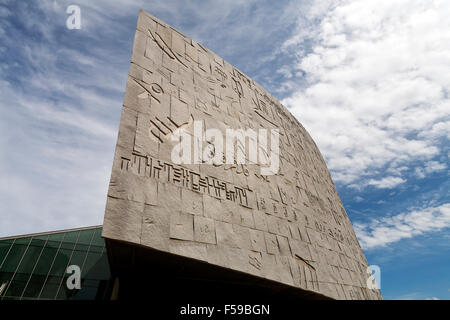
{"type": "Point", "coordinates": [386, 182]}
{"type": "Point", "coordinates": [383, 231]}
{"type": "Point", "coordinates": [55, 163]}
{"type": "Point", "coordinates": [419, 173]}
{"type": "Point", "coordinates": [411, 296]}
{"type": "Point", "coordinates": [375, 86]}
{"type": "Point", "coordinates": [433, 166]}
{"type": "Point", "coordinates": [58, 127]}
{"type": "Point", "coordinates": [4, 12]}
{"type": "Point", "coordinates": [429, 167]}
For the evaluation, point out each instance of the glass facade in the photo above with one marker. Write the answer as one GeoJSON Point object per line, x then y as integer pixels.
{"type": "Point", "coordinates": [35, 266]}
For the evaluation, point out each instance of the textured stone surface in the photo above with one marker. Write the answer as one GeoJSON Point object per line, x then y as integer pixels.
{"type": "Point", "coordinates": [290, 227]}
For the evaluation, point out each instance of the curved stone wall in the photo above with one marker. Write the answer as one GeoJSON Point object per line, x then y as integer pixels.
{"type": "Point", "coordinates": [287, 224]}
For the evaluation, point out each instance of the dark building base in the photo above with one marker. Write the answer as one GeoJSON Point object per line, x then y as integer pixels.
{"type": "Point", "coordinates": [151, 275]}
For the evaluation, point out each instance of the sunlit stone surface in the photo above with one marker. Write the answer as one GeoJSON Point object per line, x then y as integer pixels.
{"type": "Point", "coordinates": [289, 227]}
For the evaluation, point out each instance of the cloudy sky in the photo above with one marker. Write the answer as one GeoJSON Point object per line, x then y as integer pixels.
{"type": "Point", "coordinates": [368, 79]}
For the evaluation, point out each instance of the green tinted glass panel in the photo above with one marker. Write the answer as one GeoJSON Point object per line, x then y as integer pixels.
{"type": "Point", "coordinates": [89, 266]}
{"type": "Point", "coordinates": [45, 261]}
{"type": "Point", "coordinates": [5, 276]}
{"type": "Point", "coordinates": [30, 258]}
{"type": "Point", "coordinates": [34, 286]}
{"type": "Point", "coordinates": [53, 244]}
{"type": "Point", "coordinates": [98, 240]}
{"type": "Point", "coordinates": [65, 293]}
{"type": "Point", "coordinates": [24, 241]}
{"type": "Point", "coordinates": [36, 242]}
{"type": "Point", "coordinates": [97, 249]}
{"type": "Point", "coordinates": [56, 236]}
{"type": "Point", "coordinates": [4, 248]}
{"type": "Point", "coordinates": [85, 236]}
{"type": "Point", "coordinates": [17, 285]}
{"type": "Point", "coordinates": [12, 260]}
{"type": "Point", "coordinates": [78, 258]}
{"type": "Point", "coordinates": [100, 269]}
{"type": "Point", "coordinates": [60, 263]}
{"type": "Point", "coordinates": [37, 269]}
{"type": "Point", "coordinates": [71, 237]}
{"type": "Point", "coordinates": [43, 237]}
{"type": "Point", "coordinates": [67, 245]}
{"type": "Point", "coordinates": [51, 287]}
{"type": "Point", "coordinates": [81, 247]}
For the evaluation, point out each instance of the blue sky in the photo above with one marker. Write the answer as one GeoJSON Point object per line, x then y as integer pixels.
{"type": "Point", "coordinates": [368, 79]}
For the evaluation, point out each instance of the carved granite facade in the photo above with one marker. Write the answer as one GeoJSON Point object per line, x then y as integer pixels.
{"type": "Point", "coordinates": [290, 227]}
